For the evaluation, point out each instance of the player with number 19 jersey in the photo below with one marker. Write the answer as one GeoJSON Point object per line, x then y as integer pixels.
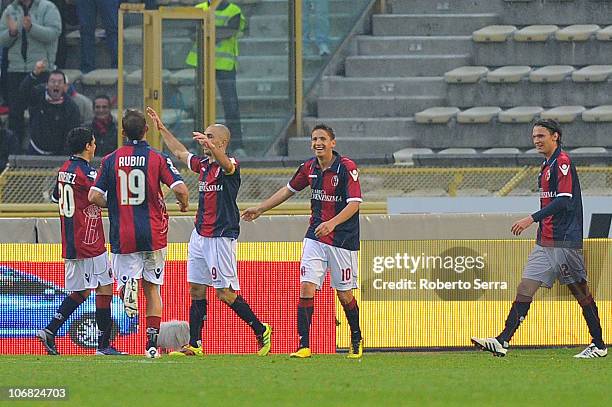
{"type": "Point", "coordinates": [82, 230]}
{"type": "Point", "coordinates": [131, 178]}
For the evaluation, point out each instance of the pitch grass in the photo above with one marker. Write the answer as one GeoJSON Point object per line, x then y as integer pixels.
{"type": "Point", "coordinates": [549, 377]}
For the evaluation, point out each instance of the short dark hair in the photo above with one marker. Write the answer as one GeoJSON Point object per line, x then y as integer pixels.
{"type": "Point", "coordinates": [58, 72]}
{"type": "Point", "coordinates": [134, 124]}
{"type": "Point", "coordinates": [102, 96]}
{"type": "Point", "coordinates": [78, 138]}
{"type": "Point", "coordinates": [551, 125]}
{"type": "Point", "coordinates": [326, 128]}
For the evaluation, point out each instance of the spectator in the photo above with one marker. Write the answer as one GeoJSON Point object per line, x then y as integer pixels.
{"type": "Point", "coordinates": [52, 114]}
{"type": "Point", "coordinates": [104, 125]}
{"type": "Point", "coordinates": [30, 29]}
{"type": "Point", "coordinates": [87, 11]}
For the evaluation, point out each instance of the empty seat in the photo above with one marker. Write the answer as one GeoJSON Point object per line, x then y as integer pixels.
{"type": "Point", "coordinates": [508, 74]}
{"type": "Point", "coordinates": [103, 77]}
{"type": "Point", "coordinates": [463, 151]}
{"type": "Point", "coordinates": [578, 32]}
{"type": "Point", "coordinates": [605, 34]}
{"type": "Point", "coordinates": [182, 77]}
{"type": "Point", "coordinates": [502, 150]}
{"type": "Point", "coordinates": [404, 156]}
{"type": "Point", "coordinates": [482, 114]}
{"type": "Point", "coordinates": [493, 33]}
{"type": "Point", "coordinates": [551, 73]}
{"type": "Point", "coordinates": [72, 75]}
{"type": "Point", "coordinates": [563, 114]}
{"type": "Point", "coordinates": [436, 115]}
{"type": "Point", "coordinates": [519, 114]}
{"type": "Point", "coordinates": [172, 116]}
{"type": "Point", "coordinates": [135, 78]}
{"type": "Point", "coordinates": [592, 73]}
{"type": "Point", "coordinates": [535, 33]}
{"type": "Point", "coordinates": [589, 150]}
{"type": "Point", "coordinates": [466, 74]}
{"type": "Point", "coordinates": [598, 114]}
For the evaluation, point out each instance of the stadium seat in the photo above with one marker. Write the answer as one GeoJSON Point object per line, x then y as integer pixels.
{"type": "Point", "coordinates": [466, 74]}
{"type": "Point", "coordinates": [551, 73]}
{"type": "Point", "coordinates": [592, 73]}
{"type": "Point", "coordinates": [502, 150]}
{"type": "Point", "coordinates": [588, 150]}
{"type": "Point", "coordinates": [104, 77]}
{"type": "Point", "coordinates": [535, 33]}
{"type": "Point", "coordinates": [135, 78]}
{"type": "Point", "coordinates": [482, 114]}
{"type": "Point", "coordinates": [493, 33]}
{"type": "Point", "coordinates": [182, 77]}
{"type": "Point", "coordinates": [598, 114]}
{"type": "Point", "coordinates": [605, 34]}
{"type": "Point", "coordinates": [508, 74]}
{"type": "Point", "coordinates": [578, 32]}
{"type": "Point", "coordinates": [436, 115]}
{"type": "Point", "coordinates": [563, 114]}
{"type": "Point", "coordinates": [72, 75]}
{"type": "Point", "coordinates": [172, 116]}
{"type": "Point", "coordinates": [404, 156]}
{"type": "Point", "coordinates": [462, 151]}
{"type": "Point", "coordinates": [519, 114]}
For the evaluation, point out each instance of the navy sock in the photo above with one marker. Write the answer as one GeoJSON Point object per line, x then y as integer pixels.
{"type": "Point", "coordinates": [351, 310]}
{"type": "Point", "coordinates": [64, 311]}
{"type": "Point", "coordinates": [304, 316]}
{"type": "Point", "coordinates": [103, 320]}
{"type": "Point", "coordinates": [517, 314]}
{"type": "Point", "coordinates": [197, 315]}
{"type": "Point", "coordinates": [242, 309]}
{"type": "Point", "coordinates": [591, 316]}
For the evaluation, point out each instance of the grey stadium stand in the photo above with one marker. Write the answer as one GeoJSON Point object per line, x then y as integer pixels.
{"type": "Point", "coordinates": [104, 77]}
{"type": "Point", "coordinates": [598, 114]}
{"type": "Point", "coordinates": [578, 32]}
{"type": "Point", "coordinates": [508, 74]}
{"type": "Point", "coordinates": [436, 115]}
{"type": "Point", "coordinates": [592, 73]}
{"type": "Point", "coordinates": [605, 34]}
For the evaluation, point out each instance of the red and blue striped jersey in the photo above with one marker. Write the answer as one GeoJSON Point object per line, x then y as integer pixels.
{"type": "Point", "coordinates": [557, 178]}
{"type": "Point", "coordinates": [82, 231]}
{"type": "Point", "coordinates": [131, 176]}
{"type": "Point", "coordinates": [332, 190]}
{"type": "Point", "coordinates": [218, 214]}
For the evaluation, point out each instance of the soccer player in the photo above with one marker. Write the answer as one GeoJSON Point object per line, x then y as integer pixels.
{"type": "Point", "coordinates": [86, 262]}
{"type": "Point", "coordinates": [332, 239]}
{"type": "Point", "coordinates": [212, 247]}
{"type": "Point", "coordinates": [129, 185]}
{"type": "Point", "coordinates": [558, 251]}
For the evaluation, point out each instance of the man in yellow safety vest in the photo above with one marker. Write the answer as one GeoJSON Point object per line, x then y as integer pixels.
{"type": "Point", "coordinates": [230, 24]}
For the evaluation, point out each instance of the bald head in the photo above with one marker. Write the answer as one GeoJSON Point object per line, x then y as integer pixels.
{"type": "Point", "coordinates": [220, 131]}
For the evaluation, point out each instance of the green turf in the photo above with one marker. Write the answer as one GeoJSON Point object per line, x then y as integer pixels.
{"type": "Point", "coordinates": [524, 377]}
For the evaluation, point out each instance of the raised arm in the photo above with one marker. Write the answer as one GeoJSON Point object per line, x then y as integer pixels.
{"type": "Point", "coordinates": [276, 199]}
{"type": "Point", "coordinates": [176, 147]}
{"type": "Point", "coordinates": [182, 196]}
{"type": "Point", "coordinates": [217, 153]}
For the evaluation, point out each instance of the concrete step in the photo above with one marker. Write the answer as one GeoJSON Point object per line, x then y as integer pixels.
{"type": "Point", "coordinates": [557, 12]}
{"type": "Point", "coordinates": [551, 52]}
{"type": "Point", "coordinates": [341, 86]}
{"type": "Point", "coordinates": [353, 145]}
{"type": "Point", "coordinates": [403, 66]}
{"type": "Point", "coordinates": [430, 24]}
{"type": "Point", "coordinates": [254, 46]}
{"type": "Point", "coordinates": [445, 6]}
{"type": "Point", "coordinates": [525, 93]}
{"type": "Point", "coordinates": [362, 126]}
{"type": "Point", "coordinates": [277, 25]}
{"type": "Point", "coordinates": [376, 45]}
{"type": "Point", "coordinates": [381, 106]}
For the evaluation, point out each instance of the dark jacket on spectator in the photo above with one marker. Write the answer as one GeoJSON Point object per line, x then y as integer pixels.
{"type": "Point", "coordinates": [106, 135]}
{"type": "Point", "coordinates": [49, 122]}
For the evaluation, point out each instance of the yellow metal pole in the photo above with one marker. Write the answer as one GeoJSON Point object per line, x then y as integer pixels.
{"type": "Point", "coordinates": [151, 72]}
{"type": "Point", "coordinates": [120, 89]}
{"type": "Point", "coordinates": [210, 88]}
{"type": "Point", "coordinates": [299, 68]}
